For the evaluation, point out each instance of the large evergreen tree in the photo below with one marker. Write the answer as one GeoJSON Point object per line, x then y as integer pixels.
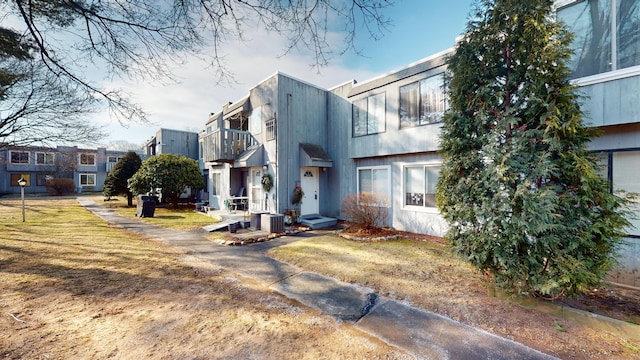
{"type": "Point", "coordinates": [521, 193]}
{"type": "Point", "coordinates": [116, 181]}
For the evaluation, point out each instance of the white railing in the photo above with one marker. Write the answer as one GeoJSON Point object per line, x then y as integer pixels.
{"type": "Point", "coordinates": [226, 145]}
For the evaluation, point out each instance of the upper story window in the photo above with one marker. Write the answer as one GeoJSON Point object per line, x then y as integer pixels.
{"type": "Point", "coordinates": [271, 129]}
{"type": "Point", "coordinates": [423, 102]}
{"type": "Point", "coordinates": [87, 159]}
{"type": "Point", "coordinates": [369, 115]}
{"type": "Point", "coordinates": [255, 121]}
{"type": "Point", "coordinates": [44, 158]}
{"type": "Point", "coordinates": [113, 159]}
{"type": "Point", "coordinates": [19, 157]}
{"type": "Point", "coordinates": [606, 37]}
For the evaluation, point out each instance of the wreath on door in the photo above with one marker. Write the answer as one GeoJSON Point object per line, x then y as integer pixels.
{"type": "Point", "coordinates": [267, 182]}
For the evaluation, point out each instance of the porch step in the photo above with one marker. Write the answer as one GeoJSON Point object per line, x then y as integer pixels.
{"type": "Point", "coordinates": [318, 221]}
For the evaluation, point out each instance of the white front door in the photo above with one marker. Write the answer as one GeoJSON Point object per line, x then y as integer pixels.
{"type": "Point", "coordinates": [310, 183]}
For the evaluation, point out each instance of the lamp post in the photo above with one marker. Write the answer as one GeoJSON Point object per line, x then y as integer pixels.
{"type": "Point", "coordinates": [22, 182]}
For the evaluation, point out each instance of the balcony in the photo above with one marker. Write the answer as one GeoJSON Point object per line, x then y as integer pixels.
{"type": "Point", "coordinates": [226, 145]}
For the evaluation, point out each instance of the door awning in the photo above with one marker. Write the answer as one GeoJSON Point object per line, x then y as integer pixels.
{"type": "Point", "coordinates": [252, 157]}
{"type": "Point", "coordinates": [314, 155]}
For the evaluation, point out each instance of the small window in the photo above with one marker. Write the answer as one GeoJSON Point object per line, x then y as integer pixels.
{"type": "Point", "coordinates": [19, 157]}
{"type": "Point", "coordinates": [87, 179]}
{"type": "Point", "coordinates": [369, 115]}
{"type": "Point", "coordinates": [113, 159]}
{"type": "Point", "coordinates": [420, 185]}
{"type": "Point", "coordinates": [87, 159]}
{"type": "Point", "coordinates": [43, 158]}
{"type": "Point", "coordinates": [271, 129]}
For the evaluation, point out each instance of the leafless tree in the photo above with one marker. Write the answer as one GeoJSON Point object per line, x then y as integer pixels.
{"type": "Point", "coordinates": [144, 39]}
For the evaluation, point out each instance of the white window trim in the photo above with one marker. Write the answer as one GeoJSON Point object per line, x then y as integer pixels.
{"type": "Point", "coordinates": [424, 209]}
{"type": "Point", "coordinates": [378, 167]}
{"type": "Point", "coordinates": [366, 100]}
{"type": "Point", "coordinates": [19, 163]}
{"type": "Point", "coordinates": [45, 153]}
{"type": "Point", "coordinates": [88, 175]}
{"type": "Point", "coordinates": [419, 84]}
{"type": "Point", "coordinates": [607, 76]}
{"type": "Point", "coordinates": [80, 159]}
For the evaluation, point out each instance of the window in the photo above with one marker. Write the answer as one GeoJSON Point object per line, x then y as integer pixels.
{"type": "Point", "coordinates": [605, 38]}
{"type": "Point", "coordinates": [19, 157]}
{"type": "Point", "coordinates": [43, 158]}
{"type": "Point", "coordinates": [41, 179]}
{"type": "Point", "coordinates": [87, 159]}
{"type": "Point", "coordinates": [423, 102]}
{"type": "Point", "coordinates": [369, 115]}
{"type": "Point", "coordinates": [624, 177]}
{"type": "Point", "coordinates": [215, 184]}
{"type": "Point", "coordinates": [16, 177]}
{"type": "Point", "coordinates": [420, 185]}
{"type": "Point", "coordinates": [255, 121]}
{"type": "Point", "coordinates": [271, 129]}
{"type": "Point", "coordinates": [113, 159]}
{"type": "Point", "coordinates": [374, 180]}
{"type": "Point", "coordinates": [87, 179]}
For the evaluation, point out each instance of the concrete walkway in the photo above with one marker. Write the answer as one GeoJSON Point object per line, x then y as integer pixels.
{"type": "Point", "coordinates": [425, 335]}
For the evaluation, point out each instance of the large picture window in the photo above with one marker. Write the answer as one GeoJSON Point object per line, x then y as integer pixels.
{"type": "Point", "coordinates": [420, 185]}
{"type": "Point", "coordinates": [423, 102]}
{"type": "Point", "coordinates": [606, 38]}
{"type": "Point", "coordinates": [19, 157]}
{"type": "Point", "coordinates": [375, 181]}
{"type": "Point", "coordinates": [369, 115]}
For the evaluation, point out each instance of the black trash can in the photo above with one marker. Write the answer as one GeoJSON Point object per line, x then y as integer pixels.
{"type": "Point", "coordinates": [146, 206]}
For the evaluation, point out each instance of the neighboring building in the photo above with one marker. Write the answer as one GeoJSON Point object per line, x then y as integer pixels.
{"type": "Point", "coordinates": [87, 167]}
{"type": "Point", "coordinates": [280, 128]}
{"type": "Point", "coordinates": [168, 141]}
{"type": "Point", "coordinates": [606, 66]}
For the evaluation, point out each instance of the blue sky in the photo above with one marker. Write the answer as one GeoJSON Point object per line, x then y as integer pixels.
{"type": "Point", "coordinates": [420, 28]}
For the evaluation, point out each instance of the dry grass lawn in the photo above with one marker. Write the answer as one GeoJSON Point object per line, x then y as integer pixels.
{"type": "Point", "coordinates": [73, 287]}
{"type": "Point", "coordinates": [184, 219]}
{"type": "Point", "coordinates": [426, 275]}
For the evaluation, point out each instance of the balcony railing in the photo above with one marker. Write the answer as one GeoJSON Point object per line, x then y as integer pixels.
{"type": "Point", "coordinates": [226, 145]}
